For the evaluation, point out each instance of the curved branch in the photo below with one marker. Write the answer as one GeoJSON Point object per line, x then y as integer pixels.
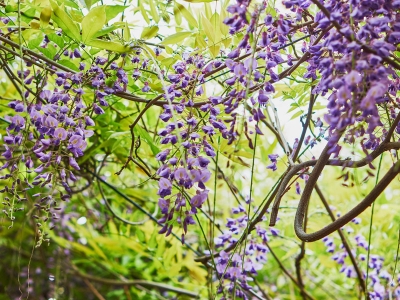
{"type": "Point", "coordinates": [333, 162]}
{"type": "Point", "coordinates": [336, 225]}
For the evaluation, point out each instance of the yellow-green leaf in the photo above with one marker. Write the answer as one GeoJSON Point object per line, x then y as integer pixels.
{"type": "Point", "coordinates": [144, 14]}
{"type": "Point", "coordinates": [290, 253]}
{"type": "Point", "coordinates": [112, 46]}
{"type": "Point", "coordinates": [176, 38]}
{"type": "Point", "coordinates": [208, 11]}
{"type": "Point", "coordinates": [199, 42]}
{"type": "Point", "coordinates": [224, 28]}
{"type": "Point", "coordinates": [153, 11]}
{"type": "Point", "coordinates": [169, 50]}
{"type": "Point", "coordinates": [149, 32]}
{"type": "Point", "coordinates": [127, 32]}
{"type": "Point", "coordinates": [93, 22]}
{"type": "Point", "coordinates": [113, 10]}
{"type": "Point", "coordinates": [188, 16]}
{"type": "Point", "coordinates": [227, 42]}
{"type": "Point", "coordinates": [106, 30]}
{"type": "Point", "coordinates": [208, 29]}
{"type": "Point", "coordinates": [63, 20]}
{"type": "Point", "coordinates": [177, 14]}
{"type": "Point", "coordinates": [214, 48]}
{"type": "Point", "coordinates": [147, 138]}
{"type": "Point", "coordinates": [45, 16]}
{"type": "Point", "coordinates": [88, 3]}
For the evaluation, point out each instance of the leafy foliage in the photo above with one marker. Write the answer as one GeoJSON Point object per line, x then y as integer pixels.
{"type": "Point", "coordinates": [148, 146]}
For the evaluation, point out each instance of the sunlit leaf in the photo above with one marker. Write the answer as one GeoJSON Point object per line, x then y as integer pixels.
{"type": "Point", "coordinates": [147, 138]}
{"type": "Point", "coordinates": [187, 15]}
{"type": "Point", "coordinates": [45, 16]}
{"type": "Point", "coordinates": [88, 3]}
{"type": "Point", "coordinates": [68, 26]}
{"type": "Point", "coordinates": [56, 39]}
{"type": "Point", "coordinates": [176, 38]}
{"type": "Point", "coordinates": [153, 11]}
{"type": "Point", "coordinates": [144, 14]}
{"type": "Point", "coordinates": [113, 10]}
{"type": "Point", "coordinates": [149, 32]}
{"type": "Point", "coordinates": [107, 45]}
{"type": "Point", "coordinates": [107, 30]}
{"type": "Point", "coordinates": [208, 29]}
{"type": "Point", "coordinates": [177, 14]}
{"type": "Point", "coordinates": [93, 22]}
{"type": "Point", "coordinates": [127, 32]}
{"type": "Point", "coordinates": [69, 64]}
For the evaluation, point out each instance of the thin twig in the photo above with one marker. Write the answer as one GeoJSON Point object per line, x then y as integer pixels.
{"type": "Point", "coordinates": [93, 289]}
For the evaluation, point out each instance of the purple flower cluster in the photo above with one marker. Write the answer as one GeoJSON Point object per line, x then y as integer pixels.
{"type": "Point", "coordinates": [236, 269]}
{"type": "Point", "coordinates": [274, 160]}
{"type": "Point", "coordinates": [45, 137]}
{"type": "Point", "coordinates": [354, 60]}
{"type": "Point", "coordinates": [379, 282]}
{"type": "Point", "coordinates": [49, 131]}
{"type": "Point", "coordinates": [183, 129]}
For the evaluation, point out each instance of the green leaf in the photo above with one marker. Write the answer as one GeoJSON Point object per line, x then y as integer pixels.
{"type": "Point", "coordinates": [127, 33]}
{"type": "Point", "coordinates": [69, 64]}
{"type": "Point", "coordinates": [153, 11]}
{"type": "Point", "coordinates": [165, 16]}
{"type": "Point", "coordinates": [188, 16]}
{"type": "Point", "coordinates": [147, 138]}
{"type": "Point", "coordinates": [107, 45]}
{"type": "Point", "coordinates": [10, 8]}
{"type": "Point", "coordinates": [144, 14]}
{"type": "Point", "coordinates": [224, 28]}
{"type": "Point", "coordinates": [208, 12]}
{"type": "Point", "coordinates": [88, 3]}
{"type": "Point", "coordinates": [93, 22]}
{"type": "Point", "coordinates": [169, 50]}
{"type": "Point", "coordinates": [119, 134]}
{"type": "Point", "coordinates": [178, 15]}
{"type": "Point", "coordinates": [71, 4]}
{"type": "Point", "coordinates": [45, 16]}
{"type": "Point", "coordinates": [106, 30]}
{"type": "Point", "coordinates": [208, 29]}
{"type": "Point", "coordinates": [113, 10]}
{"type": "Point", "coordinates": [63, 20]}
{"type": "Point", "coordinates": [176, 38]}
{"type": "Point", "coordinates": [290, 253]}
{"type": "Point", "coordinates": [50, 51]}
{"type": "Point", "coordinates": [94, 149]}
{"type": "Point", "coordinates": [34, 43]}
{"type": "Point", "coordinates": [169, 61]}
{"type": "Point", "coordinates": [56, 39]}
{"type": "Point", "coordinates": [152, 244]}
{"type": "Point", "coordinates": [149, 32]}
{"type": "Point", "coordinates": [299, 113]}
{"type": "Point", "coordinates": [140, 235]}
{"type": "Point", "coordinates": [200, 42]}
